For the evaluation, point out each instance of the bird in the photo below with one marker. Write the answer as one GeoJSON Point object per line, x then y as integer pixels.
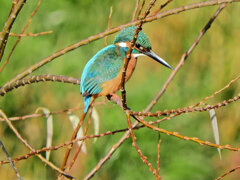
{"type": "Point", "coordinates": [102, 74]}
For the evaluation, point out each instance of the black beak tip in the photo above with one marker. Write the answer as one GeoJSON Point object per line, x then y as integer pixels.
{"type": "Point", "coordinates": [171, 68]}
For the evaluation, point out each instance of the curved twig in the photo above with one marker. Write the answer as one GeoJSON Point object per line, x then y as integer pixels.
{"type": "Point", "coordinates": [113, 30]}
{"type": "Point", "coordinates": [36, 79]}
{"type": "Point", "coordinates": [8, 25]}
{"type": "Point", "coordinates": [30, 148]}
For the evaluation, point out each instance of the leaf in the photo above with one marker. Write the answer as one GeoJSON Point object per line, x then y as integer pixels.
{"type": "Point", "coordinates": [95, 118]}
{"type": "Point", "coordinates": [49, 118]}
{"type": "Point", "coordinates": [75, 120]}
{"type": "Point", "coordinates": [213, 117]}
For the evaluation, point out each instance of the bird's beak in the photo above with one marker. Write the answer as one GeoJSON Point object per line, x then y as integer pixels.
{"type": "Point", "coordinates": [156, 58]}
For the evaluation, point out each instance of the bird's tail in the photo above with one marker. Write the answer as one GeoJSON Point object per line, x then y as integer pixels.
{"type": "Point", "coordinates": [87, 100]}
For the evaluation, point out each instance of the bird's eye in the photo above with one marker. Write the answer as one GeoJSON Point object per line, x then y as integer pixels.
{"type": "Point", "coordinates": [138, 46]}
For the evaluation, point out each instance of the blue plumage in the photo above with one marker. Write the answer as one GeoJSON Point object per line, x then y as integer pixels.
{"type": "Point", "coordinates": [87, 100]}
{"type": "Point", "coordinates": [102, 67]}
{"type": "Point", "coordinates": [100, 75]}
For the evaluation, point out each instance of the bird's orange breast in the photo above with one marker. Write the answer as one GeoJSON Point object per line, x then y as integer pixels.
{"type": "Point", "coordinates": [115, 84]}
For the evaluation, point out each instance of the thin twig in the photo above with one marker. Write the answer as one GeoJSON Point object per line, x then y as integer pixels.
{"type": "Point", "coordinates": [64, 79]}
{"type": "Point", "coordinates": [30, 34]}
{"type": "Point", "coordinates": [65, 144]}
{"type": "Point", "coordinates": [36, 79]}
{"type": "Point", "coordinates": [109, 23]}
{"type": "Point", "coordinates": [14, 2]}
{"type": "Point", "coordinates": [230, 171]}
{"type": "Point", "coordinates": [178, 112]}
{"type": "Point", "coordinates": [113, 30]}
{"type": "Point", "coordinates": [16, 8]}
{"type": "Point", "coordinates": [194, 139]}
{"type": "Point", "coordinates": [140, 10]}
{"type": "Point", "coordinates": [63, 167]}
{"type": "Point", "coordinates": [107, 156]}
{"type": "Point", "coordinates": [135, 10]}
{"type": "Point", "coordinates": [128, 56]}
{"type": "Point", "coordinates": [127, 134]}
{"type": "Point", "coordinates": [219, 91]}
{"type": "Point", "coordinates": [144, 158]}
{"type": "Point", "coordinates": [9, 159]}
{"type": "Point", "coordinates": [123, 91]}
{"type": "Point", "coordinates": [161, 7]}
{"type": "Point", "coordinates": [114, 147]}
{"type": "Point", "coordinates": [172, 113]}
{"type": "Point", "coordinates": [158, 154]}
{"type": "Point", "coordinates": [36, 115]}
{"type": "Point", "coordinates": [79, 146]}
{"type": "Point", "coordinates": [20, 37]}
{"type": "Point", "coordinates": [30, 148]}
{"type": "Point", "coordinates": [185, 55]}
{"type": "Point", "coordinates": [188, 109]}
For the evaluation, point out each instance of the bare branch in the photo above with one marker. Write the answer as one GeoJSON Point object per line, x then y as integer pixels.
{"type": "Point", "coordinates": [161, 7]}
{"type": "Point", "coordinates": [144, 158]}
{"type": "Point", "coordinates": [20, 37]}
{"type": "Point", "coordinates": [140, 10]}
{"type": "Point", "coordinates": [36, 79]}
{"type": "Point", "coordinates": [186, 109]}
{"type": "Point", "coordinates": [109, 23]}
{"type": "Point", "coordinates": [194, 139]}
{"type": "Point", "coordinates": [127, 59]}
{"type": "Point", "coordinates": [185, 56]}
{"type": "Point", "coordinates": [113, 30]}
{"type": "Point", "coordinates": [10, 160]}
{"type": "Point", "coordinates": [229, 172]}
{"type": "Point", "coordinates": [30, 148]}
{"type": "Point", "coordinates": [30, 34]}
{"type": "Point", "coordinates": [8, 25]}
{"type": "Point", "coordinates": [127, 134]}
{"type": "Point", "coordinates": [135, 10]}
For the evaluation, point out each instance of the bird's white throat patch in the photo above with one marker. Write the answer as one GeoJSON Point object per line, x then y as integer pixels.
{"type": "Point", "coordinates": [122, 44]}
{"type": "Point", "coordinates": [136, 55]}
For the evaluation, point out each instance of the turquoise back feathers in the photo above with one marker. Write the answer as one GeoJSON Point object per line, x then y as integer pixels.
{"type": "Point", "coordinates": [101, 75]}
{"type": "Point", "coordinates": [102, 67]}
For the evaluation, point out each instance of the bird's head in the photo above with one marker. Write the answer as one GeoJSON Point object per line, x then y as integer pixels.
{"type": "Point", "coordinates": [142, 45]}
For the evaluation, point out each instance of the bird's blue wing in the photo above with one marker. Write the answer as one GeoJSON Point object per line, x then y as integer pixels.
{"type": "Point", "coordinates": [104, 66]}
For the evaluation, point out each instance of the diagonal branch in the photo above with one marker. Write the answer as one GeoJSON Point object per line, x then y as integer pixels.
{"type": "Point", "coordinates": [8, 25]}
{"type": "Point", "coordinates": [127, 134]}
{"type": "Point", "coordinates": [135, 10]}
{"type": "Point", "coordinates": [36, 79]}
{"type": "Point", "coordinates": [113, 30]}
{"type": "Point", "coordinates": [30, 148]}
{"type": "Point", "coordinates": [10, 161]}
{"type": "Point", "coordinates": [194, 139]}
{"type": "Point", "coordinates": [127, 59]}
{"type": "Point", "coordinates": [20, 37]}
{"type": "Point", "coordinates": [229, 172]}
{"type": "Point", "coordinates": [185, 56]}
{"type": "Point", "coordinates": [144, 158]}
{"type": "Point", "coordinates": [228, 147]}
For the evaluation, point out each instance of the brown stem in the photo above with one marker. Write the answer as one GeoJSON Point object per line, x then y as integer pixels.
{"type": "Point", "coordinates": [113, 30]}
{"type": "Point", "coordinates": [30, 148]}
{"type": "Point", "coordinates": [185, 56]}
{"type": "Point", "coordinates": [20, 37]}
{"type": "Point", "coordinates": [8, 25]}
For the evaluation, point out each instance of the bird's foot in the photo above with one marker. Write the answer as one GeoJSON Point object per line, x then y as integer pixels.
{"type": "Point", "coordinates": [115, 98]}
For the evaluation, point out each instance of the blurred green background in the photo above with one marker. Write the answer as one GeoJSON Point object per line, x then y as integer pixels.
{"type": "Point", "coordinates": [214, 62]}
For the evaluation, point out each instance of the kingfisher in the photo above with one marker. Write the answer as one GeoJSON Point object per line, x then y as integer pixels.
{"type": "Point", "coordinates": [102, 74]}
